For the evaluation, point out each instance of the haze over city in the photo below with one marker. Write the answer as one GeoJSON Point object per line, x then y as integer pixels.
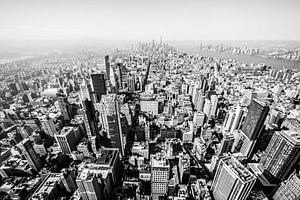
{"type": "Point", "coordinates": [147, 20]}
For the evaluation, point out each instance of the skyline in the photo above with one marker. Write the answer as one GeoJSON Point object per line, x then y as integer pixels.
{"type": "Point", "coordinates": [147, 20]}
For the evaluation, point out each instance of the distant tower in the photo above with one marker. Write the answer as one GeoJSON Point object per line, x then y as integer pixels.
{"type": "Point", "coordinates": [30, 154]}
{"type": "Point", "coordinates": [160, 43]}
{"type": "Point", "coordinates": [107, 66]}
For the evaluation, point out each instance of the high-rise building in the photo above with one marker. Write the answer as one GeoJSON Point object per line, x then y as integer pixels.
{"type": "Point", "coordinates": [107, 66]}
{"type": "Point", "coordinates": [237, 119]}
{"type": "Point", "coordinates": [226, 143]}
{"type": "Point", "coordinates": [207, 107]}
{"type": "Point", "coordinates": [160, 170]}
{"type": "Point", "coordinates": [131, 83]}
{"type": "Point", "coordinates": [232, 180]}
{"type": "Point", "coordinates": [214, 105]}
{"type": "Point", "coordinates": [281, 154]}
{"type": "Point", "coordinates": [289, 189]}
{"type": "Point", "coordinates": [48, 126]}
{"type": "Point", "coordinates": [67, 140]}
{"type": "Point", "coordinates": [89, 118]}
{"type": "Point", "coordinates": [199, 118]}
{"type": "Point", "coordinates": [110, 118]}
{"type": "Point", "coordinates": [88, 186]}
{"type": "Point", "coordinates": [65, 108]}
{"type": "Point", "coordinates": [229, 120]}
{"type": "Point", "coordinates": [99, 85]}
{"type": "Point", "coordinates": [31, 156]}
{"type": "Point", "coordinates": [255, 118]}
{"type": "Point", "coordinates": [84, 91]}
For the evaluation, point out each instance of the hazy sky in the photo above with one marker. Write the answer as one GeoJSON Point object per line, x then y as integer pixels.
{"type": "Point", "coordinates": [145, 20]}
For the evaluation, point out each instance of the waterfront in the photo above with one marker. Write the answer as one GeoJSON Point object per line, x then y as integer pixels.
{"type": "Point", "coordinates": [247, 59]}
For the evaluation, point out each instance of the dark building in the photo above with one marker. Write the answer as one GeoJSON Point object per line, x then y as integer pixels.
{"type": "Point", "coordinates": [98, 85]}
{"type": "Point", "coordinates": [107, 66]}
{"type": "Point", "coordinates": [255, 119]}
{"type": "Point", "coordinates": [90, 114]}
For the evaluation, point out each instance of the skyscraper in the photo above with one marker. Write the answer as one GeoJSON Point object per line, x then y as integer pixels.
{"type": "Point", "coordinates": [131, 83]}
{"type": "Point", "coordinates": [232, 180]}
{"type": "Point", "coordinates": [84, 91]}
{"type": "Point", "coordinates": [88, 186]}
{"type": "Point", "coordinates": [160, 176]}
{"type": "Point", "coordinates": [99, 86]}
{"type": "Point", "coordinates": [110, 118]}
{"type": "Point", "coordinates": [255, 118]}
{"type": "Point", "coordinates": [64, 108]}
{"type": "Point", "coordinates": [67, 140]}
{"type": "Point", "coordinates": [48, 126]}
{"type": "Point", "coordinates": [281, 154]}
{"type": "Point", "coordinates": [289, 189]}
{"type": "Point", "coordinates": [31, 156]}
{"type": "Point", "coordinates": [214, 102]}
{"type": "Point", "coordinates": [89, 118]}
{"type": "Point", "coordinates": [107, 66]}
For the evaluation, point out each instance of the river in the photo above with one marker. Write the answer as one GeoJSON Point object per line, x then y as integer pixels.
{"type": "Point", "coordinates": [247, 59]}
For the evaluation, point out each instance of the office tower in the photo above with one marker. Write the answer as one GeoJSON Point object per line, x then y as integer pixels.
{"type": "Point", "coordinates": [131, 83]}
{"type": "Point", "coordinates": [64, 108]}
{"type": "Point", "coordinates": [159, 175]}
{"type": "Point", "coordinates": [207, 108]}
{"type": "Point", "coordinates": [110, 117]}
{"type": "Point", "coordinates": [229, 120]}
{"type": "Point", "coordinates": [147, 74]}
{"type": "Point", "coordinates": [99, 86]}
{"type": "Point", "coordinates": [150, 107]}
{"type": "Point", "coordinates": [67, 140]}
{"type": "Point", "coordinates": [107, 66]}
{"type": "Point", "coordinates": [237, 119]}
{"type": "Point", "coordinates": [289, 189]}
{"type": "Point", "coordinates": [199, 118]}
{"type": "Point", "coordinates": [89, 118]}
{"type": "Point", "coordinates": [68, 180]}
{"type": "Point", "coordinates": [226, 143]}
{"type": "Point", "coordinates": [255, 119]}
{"type": "Point", "coordinates": [29, 153]}
{"type": "Point", "coordinates": [88, 126]}
{"type": "Point", "coordinates": [48, 126]}
{"type": "Point", "coordinates": [200, 103]}
{"type": "Point", "coordinates": [84, 91]}
{"type": "Point", "coordinates": [125, 109]}
{"type": "Point", "coordinates": [214, 104]}
{"type": "Point", "coordinates": [121, 72]}
{"type": "Point", "coordinates": [232, 180]}
{"type": "Point", "coordinates": [281, 154]}
{"type": "Point", "coordinates": [88, 186]}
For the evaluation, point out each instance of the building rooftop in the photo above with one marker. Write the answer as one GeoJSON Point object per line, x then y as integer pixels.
{"type": "Point", "coordinates": [238, 169]}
